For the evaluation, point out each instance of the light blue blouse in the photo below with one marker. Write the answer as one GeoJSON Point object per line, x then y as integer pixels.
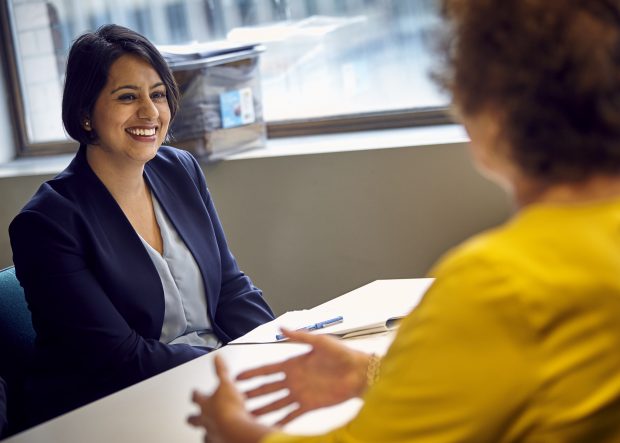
{"type": "Point", "coordinates": [185, 316]}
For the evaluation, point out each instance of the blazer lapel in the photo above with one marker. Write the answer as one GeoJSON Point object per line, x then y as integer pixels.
{"type": "Point", "coordinates": [124, 267]}
{"type": "Point", "coordinates": [188, 214]}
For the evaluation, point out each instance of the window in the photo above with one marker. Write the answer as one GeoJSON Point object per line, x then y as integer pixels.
{"type": "Point", "coordinates": [329, 65]}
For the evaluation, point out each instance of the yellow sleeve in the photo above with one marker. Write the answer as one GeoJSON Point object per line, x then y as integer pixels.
{"type": "Point", "coordinates": [458, 369]}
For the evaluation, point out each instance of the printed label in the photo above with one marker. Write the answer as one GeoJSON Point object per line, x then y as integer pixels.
{"type": "Point", "coordinates": [237, 108]}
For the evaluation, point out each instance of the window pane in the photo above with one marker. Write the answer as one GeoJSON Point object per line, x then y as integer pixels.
{"type": "Point", "coordinates": [351, 57]}
{"type": "Point", "coordinates": [324, 57]}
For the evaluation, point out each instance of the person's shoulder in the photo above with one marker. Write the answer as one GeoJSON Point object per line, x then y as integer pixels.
{"type": "Point", "coordinates": [486, 268]}
{"type": "Point", "coordinates": [59, 198]}
{"type": "Point", "coordinates": [175, 164]}
{"type": "Point", "coordinates": [47, 206]}
{"type": "Point", "coordinates": [52, 197]}
{"type": "Point", "coordinates": [482, 250]}
{"type": "Point", "coordinates": [49, 212]}
{"type": "Point", "coordinates": [487, 278]}
{"type": "Point", "coordinates": [169, 155]}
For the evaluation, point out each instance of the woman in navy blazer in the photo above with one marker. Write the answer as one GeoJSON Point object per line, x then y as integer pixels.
{"type": "Point", "coordinates": [96, 298]}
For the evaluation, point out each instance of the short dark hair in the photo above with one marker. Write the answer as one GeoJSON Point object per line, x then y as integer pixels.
{"type": "Point", "coordinates": [550, 69]}
{"type": "Point", "coordinates": [88, 66]}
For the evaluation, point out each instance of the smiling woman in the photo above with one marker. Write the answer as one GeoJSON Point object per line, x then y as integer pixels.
{"type": "Point", "coordinates": [122, 257]}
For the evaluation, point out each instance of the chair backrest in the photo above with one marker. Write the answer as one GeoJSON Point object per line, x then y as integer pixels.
{"type": "Point", "coordinates": [16, 342]}
{"type": "Point", "coordinates": [16, 331]}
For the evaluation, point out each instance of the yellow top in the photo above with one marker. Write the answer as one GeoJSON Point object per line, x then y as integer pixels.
{"type": "Point", "coordinates": [518, 339]}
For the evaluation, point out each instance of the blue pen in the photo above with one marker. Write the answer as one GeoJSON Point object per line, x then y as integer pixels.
{"type": "Point", "coordinates": [315, 326]}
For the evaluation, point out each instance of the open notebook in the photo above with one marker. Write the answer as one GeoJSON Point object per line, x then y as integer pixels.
{"type": "Point", "coordinates": [373, 328]}
{"type": "Point", "coordinates": [376, 307]}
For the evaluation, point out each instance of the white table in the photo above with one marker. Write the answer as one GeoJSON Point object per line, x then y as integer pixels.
{"type": "Point", "coordinates": [156, 409]}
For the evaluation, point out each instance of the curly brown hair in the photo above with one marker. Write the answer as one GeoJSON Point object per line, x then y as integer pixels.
{"type": "Point", "coordinates": [551, 69]}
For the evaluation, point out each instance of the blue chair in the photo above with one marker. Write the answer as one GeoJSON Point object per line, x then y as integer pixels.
{"type": "Point", "coordinates": [16, 344]}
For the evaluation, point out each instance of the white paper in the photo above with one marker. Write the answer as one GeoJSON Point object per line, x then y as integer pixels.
{"type": "Point", "coordinates": [374, 304]}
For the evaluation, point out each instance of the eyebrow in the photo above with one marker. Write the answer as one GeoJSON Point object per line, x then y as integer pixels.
{"type": "Point", "coordinates": [135, 88]}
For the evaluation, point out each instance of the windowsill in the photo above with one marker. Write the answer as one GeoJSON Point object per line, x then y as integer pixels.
{"type": "Point", "coordinates": [282, 147]}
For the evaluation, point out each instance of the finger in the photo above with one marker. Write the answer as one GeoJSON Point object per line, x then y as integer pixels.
{"type": "Point", "coordinates": [221, 369]}
{"type": "Point", "coordinates": [291, 416]}
{"type": "Point", "coordinates": [199, 398]}
{"type": "Point", "coordinates": [195, 420]}
{"type": "Point", "coordinates": [263, 370]}
{"type": "Point", "coordinates": [276, 405]}
{"type": "Point", "coordinates": [267, 388]}
{"type": "Point", "coordinates": [300, 336]}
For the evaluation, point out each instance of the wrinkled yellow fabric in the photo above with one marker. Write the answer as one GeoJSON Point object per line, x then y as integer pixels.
{"type": "Point", "coordinates": [518, 340]}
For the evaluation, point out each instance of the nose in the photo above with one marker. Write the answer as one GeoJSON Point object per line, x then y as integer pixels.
{"type": "Point", "coordinates": [147, 109]}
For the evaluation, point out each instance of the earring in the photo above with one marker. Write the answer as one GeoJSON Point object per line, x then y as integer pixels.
{"type": "Point", "coordinates": [87, 125]}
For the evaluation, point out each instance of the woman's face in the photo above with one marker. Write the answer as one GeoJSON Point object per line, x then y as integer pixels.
{"type": "Point", "coordinates": [131, 114]}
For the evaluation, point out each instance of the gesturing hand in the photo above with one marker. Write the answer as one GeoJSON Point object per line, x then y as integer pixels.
{"type": "Point", "coordinates": [328, 374]}
{"type": "Point", "coordinates": [223, 413]}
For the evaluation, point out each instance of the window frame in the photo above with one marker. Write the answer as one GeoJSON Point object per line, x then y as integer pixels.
{"type": "Point", "coordinates": [363, 121]}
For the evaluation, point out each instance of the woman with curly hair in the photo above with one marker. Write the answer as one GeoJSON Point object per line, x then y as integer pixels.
{"type": "Point", "coordinates": [517, 340]}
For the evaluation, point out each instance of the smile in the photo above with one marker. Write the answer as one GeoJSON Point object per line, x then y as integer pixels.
{"type": "Point", "coordinates": [143, 132]}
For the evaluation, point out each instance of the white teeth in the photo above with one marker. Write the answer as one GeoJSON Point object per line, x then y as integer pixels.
{"type": "Point", "coordinates": [142, 132]}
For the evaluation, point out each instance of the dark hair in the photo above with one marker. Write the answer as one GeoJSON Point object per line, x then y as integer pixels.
{"type": "Point", "coordinates": [550, 69]}
{"type": "Point", "coordinates": [88, 66]}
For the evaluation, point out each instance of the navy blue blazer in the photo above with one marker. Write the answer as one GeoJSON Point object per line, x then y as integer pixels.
{"type": "Point", "coordinates": [96, 298]}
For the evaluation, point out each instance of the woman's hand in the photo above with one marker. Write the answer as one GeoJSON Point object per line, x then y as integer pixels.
{"type": "Point", "coordinates": [223, 413]}
{"type": "Point", "coordinates": [327, 375]}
